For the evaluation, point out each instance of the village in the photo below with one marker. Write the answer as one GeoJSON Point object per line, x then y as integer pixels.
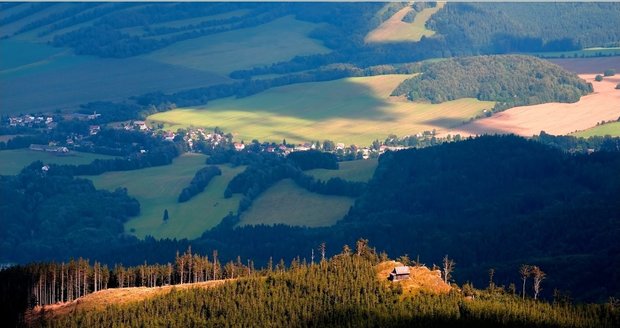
{"type": "Point", "coordinates": [191, 139]}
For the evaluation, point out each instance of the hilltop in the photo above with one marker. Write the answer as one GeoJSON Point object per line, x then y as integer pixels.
{"type": "Point", "coordinates": [342, 291]}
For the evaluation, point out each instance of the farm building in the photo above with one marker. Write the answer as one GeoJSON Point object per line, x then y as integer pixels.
{"type": "Point", "coordinates": [399, 273]}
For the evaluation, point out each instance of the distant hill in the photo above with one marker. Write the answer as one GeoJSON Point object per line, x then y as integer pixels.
{"type": "Point", "coordinates": [510, 80]}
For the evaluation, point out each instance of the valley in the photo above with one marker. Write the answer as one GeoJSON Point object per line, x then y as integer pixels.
{"type": "Point", "coordinates": [271, 164]}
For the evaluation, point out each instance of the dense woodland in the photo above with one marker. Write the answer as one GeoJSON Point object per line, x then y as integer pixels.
{"type": "Point", "coordinates": [535, 27]}
{"type": "Point", "coordinates": [46, 213]}
{"type": "Point", "coordinates": [342, 291]}
{"type": "Point", "coordinates": [508, 199]}
{"type": "Point", "coordinates": [510, 80]}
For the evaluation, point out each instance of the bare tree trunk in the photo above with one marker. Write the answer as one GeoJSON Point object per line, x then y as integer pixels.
{"type": "Point", "coordinates": [62, 282]}
{"type": "Point", "coordinates": [525, 272]}
{"type": "Point", "coordinates": [448, 267]}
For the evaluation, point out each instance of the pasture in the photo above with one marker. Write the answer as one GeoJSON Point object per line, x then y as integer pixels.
{"type": "Point", "coordinates": [395, 30]}
{"type": "Point", "coordinates": [554, 118]}
{"type": "Point", "coordinates": [287, 203]}
{"type": "Point", "coordinates": [275, 41]}
{"type": "Point", "coordinates": [607, 129]}
{"type": "Point", "coordinates": [352, 110]}
{"type": "Point", "coordinates": [12, 161]}
{"type": "Point", "coordinates": [158, 188]}
{"type": "Point", "coordinates": [62, 80]}
{"type": "Point", "coordinates": [359, 170]}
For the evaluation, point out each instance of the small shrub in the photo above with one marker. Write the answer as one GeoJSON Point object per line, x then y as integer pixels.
{"type": "Point", "coordinates": [609, 72]}
{"type": "Point", "coordinates": [598, 78]}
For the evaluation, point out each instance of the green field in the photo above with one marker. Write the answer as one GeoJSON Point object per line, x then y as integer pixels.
{"type": "Point", "coordinates": [54, 74]}
{"type": "Point", "coordinates": [360, 170]}
{"type": "Point", "coordinates": [287, 203]}
{"type": "Point", "coordinates": [611, 129]}
{"type": "Point", "coordinates": [14, 160]}
{"type": "Point", "coordinates": [353, 111]}
{"type": "Point", "coordinates": [158, 188]}
{"type": "Point", "coordinates": [60, 79]}
{"type": "Point", "coordinates": [276, 41]}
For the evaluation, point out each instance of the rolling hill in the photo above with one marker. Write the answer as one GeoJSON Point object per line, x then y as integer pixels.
{"type": "Point", "coordinates": [346, 110]}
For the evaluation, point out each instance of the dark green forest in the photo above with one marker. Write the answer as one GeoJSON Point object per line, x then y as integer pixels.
{"type": "Point", "coordinates": [343, 291]}
{"type": "Point", "coordinates": [510, 80]}
{"type": "Point", "coordinates": [490, 202]}
{"type": "Point", "coordinates": [532, 27]}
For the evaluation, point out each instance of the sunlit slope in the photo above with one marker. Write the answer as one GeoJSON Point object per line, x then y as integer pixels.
{"type": "Point", "coordinates": [352, 110]}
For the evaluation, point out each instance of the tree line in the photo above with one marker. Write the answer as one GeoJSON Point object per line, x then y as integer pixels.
{"type": "Point", "coordinates": [199, 182]}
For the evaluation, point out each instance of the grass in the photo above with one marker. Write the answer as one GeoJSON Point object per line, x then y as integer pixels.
{"type": "Point", "coordinates": [15, 54]}
{"type": "Point", "coordinates": [353, 111]}
{"type": "Point", "coordinates": [14, 160]}
{"type": "Point", "coordinates": [61, 80]}
{"type": "Point", "coordinates": [139, 30]}
{"type": "Point", "coordinates": [360, 170]}
{"type": "Point", "coordinates": [395, 30]}
{"type": "Point", "coordinates": [611, 129]}
{"type": "Point", "coordinates": [158, 188]}
{"type": "Point", "coordinates": [276, 41]}
{"type": "Point", "coordinates": [287, 203]}
{"type": "Point", "coordinates": [113, 296]}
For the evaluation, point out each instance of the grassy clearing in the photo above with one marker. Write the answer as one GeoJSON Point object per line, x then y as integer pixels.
{"type": "Point", "coordinates": [395, 30]}
{"type": "Point", "coordinates": [158, 188]}
{"type": "Point", "coordinates": [353, 110]}
{"type": "Point", "coordinates": [279, 40]}
{"type": "Point", "coordinates": [287, 203]}
{"type": "Point", "coordinates": [611, 129]}
{"type": "Point", "coordinates": [360, 170]}
{"type": "Point", "coordinates": [14, 160]}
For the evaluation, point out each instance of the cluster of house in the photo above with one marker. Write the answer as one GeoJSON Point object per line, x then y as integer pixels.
{"type": "Point", "coordinates": [193, 136]}
{"type": "Point", "coordinates": [30, 121]}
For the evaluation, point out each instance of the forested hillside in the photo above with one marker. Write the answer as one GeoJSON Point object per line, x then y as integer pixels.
{"type": "Point", "coordinates": [532, 27]}
{"type": "Point", "coordinates": [510, 80]}
{"type": "Point", "coordinates": [342, 291]}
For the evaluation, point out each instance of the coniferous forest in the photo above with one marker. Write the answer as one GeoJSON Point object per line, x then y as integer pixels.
{"type": "Point", "coordinates": [342, 291]}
